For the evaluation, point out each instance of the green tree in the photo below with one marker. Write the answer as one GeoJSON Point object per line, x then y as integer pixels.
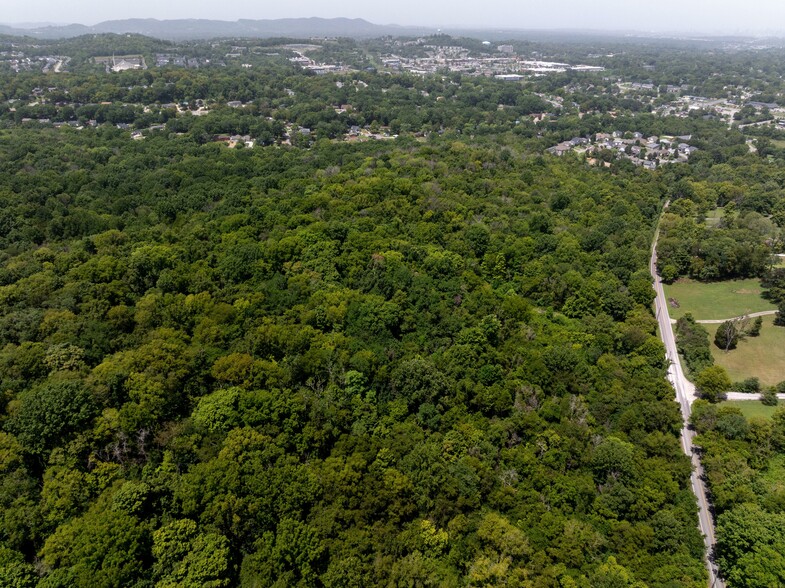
{"type": "Point", "coordinates": [217, 411]}
{"type": "Point", "coordinates": [712, 383]}
{"type": "Point", "coordinates": [613, 458]}
{"type": "Point", "coordinates": [50, 413]}
{"type": "Point", "coordinates": [104, 548]}
{"type": "Point", "coordinates": [757, 325]}
{"type": "Point", "coordinates": [744, 535]}
{"type": "Point", "coordinates": [15, 572]}
{"type": "Point", "coordinates": [727, 335]}
{"type": "Point", "coordinates": [612, 575]}
{"type": "Point", "coordinates": [185, 557]}
{"type": "Point", "coordinates": [779, 318]}
{"type": "Point", "coordinates": [292, 554]}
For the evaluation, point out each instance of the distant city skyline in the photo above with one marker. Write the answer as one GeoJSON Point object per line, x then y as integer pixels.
{"type": "Point", "coordinates": [700, 16]}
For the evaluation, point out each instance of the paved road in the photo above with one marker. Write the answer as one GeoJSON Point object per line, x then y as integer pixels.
{"type": "Point", "coordinates": [756, 124]}
{"type": "Point", "coordinates": [735, 318]}
{"type": "Point", "coordinates": [685, 394]}
{"type": "Point", "coordinates": [747, 396]}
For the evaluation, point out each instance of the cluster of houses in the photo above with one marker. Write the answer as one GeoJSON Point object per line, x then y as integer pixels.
{"type": "Point", "coordinates": [17, 61]}
{"type": "Point", "coordinates": [726, 108]}
{"type": "Point", "coordinates": [300, 58]}
{"type": "Point", "coordinates": [503, 64]}
{"type": "Point", "coordinates": [626, 87]}
{"type": "Point", "coordinates": [173, 59]}
{"type": "Point", "coordinates": [647, 152]}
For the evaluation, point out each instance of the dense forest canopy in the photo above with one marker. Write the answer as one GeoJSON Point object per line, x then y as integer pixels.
{"type": "Point", "coordinates": [336, 366]}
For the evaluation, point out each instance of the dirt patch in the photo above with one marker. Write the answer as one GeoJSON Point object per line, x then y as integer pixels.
{"type": "Point", "coordinates": [746, 291]}
{"type": "Point", "coordinates": [674, 303]}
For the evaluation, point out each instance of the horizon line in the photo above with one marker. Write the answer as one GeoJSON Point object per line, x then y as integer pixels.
{"type": "Point", "coordinates": [32, 26]}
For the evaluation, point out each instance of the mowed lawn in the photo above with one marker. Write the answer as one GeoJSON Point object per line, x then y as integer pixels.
{"type": "Point", "coordinates": [715, 300]}
{"type": "Point", "coordinates": [762, 357]}
{"type": "Point", "coordinates": [753, 408]}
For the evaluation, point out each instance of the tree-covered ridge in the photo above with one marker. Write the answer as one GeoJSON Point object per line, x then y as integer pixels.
{"type": "Point", "coordinates": [401, 363]}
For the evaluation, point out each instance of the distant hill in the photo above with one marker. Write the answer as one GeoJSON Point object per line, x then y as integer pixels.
{"type": "Point", "coordinates": [186, 29]}
{"type": "Point", "coordinates": [197, 29]}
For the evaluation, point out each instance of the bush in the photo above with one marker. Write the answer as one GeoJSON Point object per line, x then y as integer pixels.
{"type": "Point", "coordinates": [750, 386]}
{"type": "Point", "coordinates": [769, 397]}
{"type": "Point", "coordinates": [669, 273]}
{"type": "Point", "coordinates": [757, 324]}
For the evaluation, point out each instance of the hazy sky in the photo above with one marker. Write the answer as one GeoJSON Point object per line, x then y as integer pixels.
{"type": "Point", "coordinates": [641, 15]}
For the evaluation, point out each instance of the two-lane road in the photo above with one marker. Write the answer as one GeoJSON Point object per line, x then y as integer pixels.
{"type": "Point", "coordinates": [685, 394]}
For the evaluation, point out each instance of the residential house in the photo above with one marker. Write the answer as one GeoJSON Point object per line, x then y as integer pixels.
{"type": "Point", "coordinates": [560, 149]}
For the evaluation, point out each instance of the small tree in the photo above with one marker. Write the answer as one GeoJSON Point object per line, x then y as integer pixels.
{"type": "Point", "coordinates": [779, 318]}
{"type": "Point", "coordinates": [727, 336]}
{"type": "Point", "coordinates": [704, 416]}
{"type": "Point", "coordinates": [669, 273]}
{"type": "Point", "coordinates": [757, 324]}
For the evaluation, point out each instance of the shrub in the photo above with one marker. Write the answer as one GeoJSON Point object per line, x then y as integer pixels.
{"type": "Point", "coordinates": [750, 386]}
{"type": "Point", "coordinates": [769, 397]}
{"type": "Point", "coordinates": [757, 324]}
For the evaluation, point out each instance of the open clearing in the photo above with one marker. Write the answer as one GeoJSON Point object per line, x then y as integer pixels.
{"type": "Point", "coordinates": [713, 217]}
{"type": "Point", "coordinates": [762, 357]}
{"type": "Point", "coordinates": [753, 408]}
{"type": "Point", "coordinates": [715, 300]}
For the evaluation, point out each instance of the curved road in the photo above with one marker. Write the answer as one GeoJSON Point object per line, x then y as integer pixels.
{"type": "Point", "coordinates": [685, 394]}
{"type": "Point", "coordinates": [733, 318]}
{"type": "Point", "coordinates": [750, 315]}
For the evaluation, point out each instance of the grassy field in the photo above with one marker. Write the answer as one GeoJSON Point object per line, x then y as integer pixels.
{"type": "Point", "coordinates": [713, 217]}
{"type": "Point", "coordinates": [716, 300]}
{"type": "Point", "coordinates": [752, 408]}
{"type": "Point", "coordinates": [762, 357]}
